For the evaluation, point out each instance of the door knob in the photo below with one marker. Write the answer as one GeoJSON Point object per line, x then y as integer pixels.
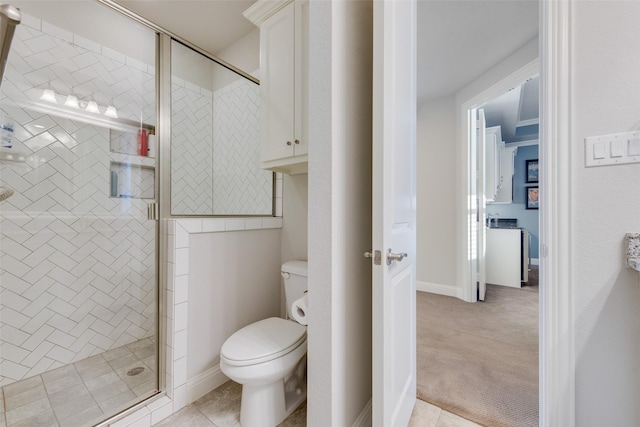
{"type": "Point", "coordinates": [395, 257]}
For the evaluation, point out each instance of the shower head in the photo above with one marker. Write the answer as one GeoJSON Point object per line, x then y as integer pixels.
{"type": "Point", "coordinates": [9, 18]}
{"type": "Point", "coordinates": [5, 193]}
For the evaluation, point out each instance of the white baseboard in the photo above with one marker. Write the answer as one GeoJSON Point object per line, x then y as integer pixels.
{"type": "Point", "coordinates": [436, 288]}
{"type": "Point", "coordinates": [535, 261]}
{"type": "Point", "coordinates": [365, 417]}
{"type": "Point", "coordinates": [204, 383]}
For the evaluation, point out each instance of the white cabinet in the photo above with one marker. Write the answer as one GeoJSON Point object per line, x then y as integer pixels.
{"type": "Point", "coordinates": [493, 142]}
{"type": "Point", "coordinates": [283, 82]}
{"type": "Point", "coordinates": [498, 167]}
{"type": "Point", "coordinates": [505, 183]}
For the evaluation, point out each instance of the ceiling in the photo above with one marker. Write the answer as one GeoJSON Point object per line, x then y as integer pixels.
{"type": "Point", "coordinates": [209, 24]}
{"type": "Point", "coordinates": [458, 40]}
{"type": "Point", "coordinates": [504, 112]}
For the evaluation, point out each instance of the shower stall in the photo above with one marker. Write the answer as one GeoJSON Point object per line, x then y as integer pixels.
{"type": "Point", "coordinates": [82, 157]}
{"type": "Point", "coordinates": [78, 281]}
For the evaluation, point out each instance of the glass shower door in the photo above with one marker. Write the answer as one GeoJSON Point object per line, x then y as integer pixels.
{"type": "Point", "coordinates": [78, 281]}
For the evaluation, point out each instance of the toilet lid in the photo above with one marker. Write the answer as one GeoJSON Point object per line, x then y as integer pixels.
{"type": "Point", "coordinates": [263, 341]}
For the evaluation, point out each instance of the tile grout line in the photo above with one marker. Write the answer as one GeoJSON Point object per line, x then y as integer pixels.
{"type": "Point", "coordinates": [4, 407]}
{"type": "Point", "coordinates": [44, 385]}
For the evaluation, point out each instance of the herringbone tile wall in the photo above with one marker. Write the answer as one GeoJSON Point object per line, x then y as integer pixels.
{"type": "Point", "coordinates": [77, 267]}
{"type": "Point", "coordinates": [191, 149]}
{"type": "Point", "coordinates": [215, 151]}
{"type": "Point", "coordinates": [240, 186]}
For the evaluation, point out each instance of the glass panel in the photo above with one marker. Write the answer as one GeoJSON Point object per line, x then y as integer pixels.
{"type": "Point", "coordinates": [215, 144]}
{"type": "Point", "coordinates": [78, 285]}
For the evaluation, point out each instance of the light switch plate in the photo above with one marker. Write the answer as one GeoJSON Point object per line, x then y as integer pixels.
{"type": "Point", "coordinates": [634, 147]}
{"type": "Point", "coordinates": [614, 149]}
{"type": "Point", "coordinates": [617, 148]}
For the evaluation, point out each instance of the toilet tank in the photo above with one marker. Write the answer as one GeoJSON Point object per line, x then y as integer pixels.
{"type": "Point", "coordinates": [294, 274]}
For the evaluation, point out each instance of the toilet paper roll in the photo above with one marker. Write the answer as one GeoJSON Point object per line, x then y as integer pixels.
{"type": "Point", "coordinates": [299, 310]}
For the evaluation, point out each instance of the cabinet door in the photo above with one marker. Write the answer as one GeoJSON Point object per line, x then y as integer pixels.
{"type": "Point", "coordinates": [504, 257]}
{"type": "Point", "coordinates": [505, 192]}
{"type": "Point", "coordinates": [301, 77]}
{"type": "Point", "coordinates": [277, 84]}
{"type": "Point", "coordinates": [491, 166]}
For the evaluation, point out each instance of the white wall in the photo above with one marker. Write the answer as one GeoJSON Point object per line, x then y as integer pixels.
{"type": "Point", "coordinates": [295, 225]}
{"type": "Point", "coordinates": [436, 176]}
{"type": "Point", "coordinates": [606, 201]}
{"type": "Point", "coordinates": [244, 53]}
{"type": "Point", "coordinates": [339, 364]}
{"type": "Point", "coordinates": [225, 295]}
{"type": "Point", "coordinates": [294, 217]}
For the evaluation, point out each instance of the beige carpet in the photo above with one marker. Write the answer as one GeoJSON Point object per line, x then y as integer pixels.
{"type": "Point", "coordinates": [480, 361]}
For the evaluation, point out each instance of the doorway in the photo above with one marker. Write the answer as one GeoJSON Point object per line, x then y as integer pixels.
{"type": "Point", "coordinates": [503, 141]}
{"type": "Point", "coordinates": [447, 277]}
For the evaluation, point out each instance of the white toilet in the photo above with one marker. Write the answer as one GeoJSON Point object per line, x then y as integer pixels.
{"type": "Point", "coordinates": [268, 358]}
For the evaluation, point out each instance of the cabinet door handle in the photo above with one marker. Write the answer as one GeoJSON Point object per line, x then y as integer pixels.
{"type": "Point", "coordinates": [289, 143]}
{"type": "Point", "coordinates": [297, 141]}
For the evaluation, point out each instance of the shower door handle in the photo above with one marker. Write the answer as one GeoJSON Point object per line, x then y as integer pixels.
{"type": "Point", "coordinates": [152, 211]}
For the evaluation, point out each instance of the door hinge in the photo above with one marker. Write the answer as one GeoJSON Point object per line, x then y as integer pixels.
{"type": "Point", "coordinates": [376, 255]}
{"type": "Point", "coordinates": [152, 211]}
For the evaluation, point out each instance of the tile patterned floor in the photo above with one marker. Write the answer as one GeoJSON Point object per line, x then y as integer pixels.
{"type": "Point", "coordinates": [221, 408]}
{"type": "Point", "coordinates": [83, 393]}
{"type": "Point", "coordinates": [427, 415]}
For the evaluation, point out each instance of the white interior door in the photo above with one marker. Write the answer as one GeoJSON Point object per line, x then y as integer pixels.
{"type": "Point", "coordinates": [480, 218]}
{"type": "Point", "coordinates": [394, 212]}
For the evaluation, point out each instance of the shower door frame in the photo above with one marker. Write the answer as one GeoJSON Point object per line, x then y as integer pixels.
{"type": "Point", "coordinates": [160, 239]}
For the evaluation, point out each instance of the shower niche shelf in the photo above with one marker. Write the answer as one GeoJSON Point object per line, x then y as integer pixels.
{"type": "Point", "coordinates": [132, 181]}
{"type": "Point", "coordinates": [129, 141]}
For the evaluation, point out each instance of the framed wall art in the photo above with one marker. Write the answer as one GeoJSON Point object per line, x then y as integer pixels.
{"type": "Point", "coordinates": [533, 197]}
{"type": "Point", "coordinates": [532, 171]}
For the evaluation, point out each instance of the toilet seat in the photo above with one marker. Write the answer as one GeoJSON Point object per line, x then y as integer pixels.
{"type": "Point", "coordinates": [263, 341]}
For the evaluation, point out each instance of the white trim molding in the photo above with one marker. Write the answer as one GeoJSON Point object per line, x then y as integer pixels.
{"type": "Point", "coordinates": [557, 333]}
{"type": "Point", "coordinates": [365, 417]}
{"type": "Point", "coordinates": [465, 212]}
{"type": "Point", "coordinates": [202, 384]}
{"type": "Point", "coordinates": [439, 289]}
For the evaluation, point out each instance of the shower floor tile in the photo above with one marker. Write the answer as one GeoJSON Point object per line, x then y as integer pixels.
{"type": "Point", "coordinates": [83, 393]}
